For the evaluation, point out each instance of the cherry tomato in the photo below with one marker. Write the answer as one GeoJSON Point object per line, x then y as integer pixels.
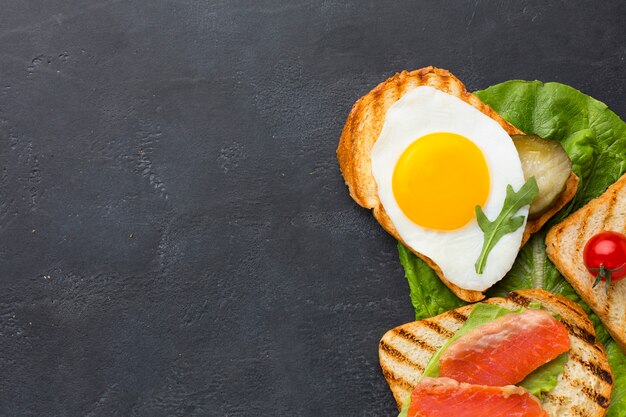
{"type": "Point", "coordinates": [605, 257]}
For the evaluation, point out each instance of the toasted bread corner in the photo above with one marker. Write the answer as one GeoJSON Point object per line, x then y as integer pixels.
{"type": "Point", "coordinates": [565, 243]}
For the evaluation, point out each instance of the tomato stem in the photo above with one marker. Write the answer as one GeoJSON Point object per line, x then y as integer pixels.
{"type": "Point", "coordinates": [604, 273]}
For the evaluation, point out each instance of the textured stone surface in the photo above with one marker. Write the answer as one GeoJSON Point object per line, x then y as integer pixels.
{"type": "Point", "coordinates": [175, 236]}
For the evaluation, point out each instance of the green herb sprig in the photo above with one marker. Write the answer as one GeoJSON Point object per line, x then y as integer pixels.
{"type": "Point", "coordinates": [505, 223]}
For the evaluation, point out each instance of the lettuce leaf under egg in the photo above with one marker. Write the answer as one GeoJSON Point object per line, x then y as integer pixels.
{"type": "Point", "coordinates": [429, 295]}
{"type": "Point", "coordinates": [595, 140]}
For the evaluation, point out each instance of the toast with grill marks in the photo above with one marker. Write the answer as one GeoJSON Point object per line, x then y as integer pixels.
{"type": "Point", "coordinates": [364, 125]}
{"type": "Point", "coordinates": [583, 389]}
{"type": "Point", "coordinates": [565, 243]}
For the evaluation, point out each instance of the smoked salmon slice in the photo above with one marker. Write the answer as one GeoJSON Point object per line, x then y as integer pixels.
{"type": "Point", "coordinates": [503, 351]}
{"type": "Point", "coordinates": [445, 397]}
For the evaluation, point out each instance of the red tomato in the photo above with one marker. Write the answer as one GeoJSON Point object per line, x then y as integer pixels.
{"type": "Point", "coordinates": [605, 257]}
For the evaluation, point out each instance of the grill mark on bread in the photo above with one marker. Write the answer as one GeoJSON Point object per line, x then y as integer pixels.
{"type": "Point", "coordinates": [519, 299]}
{"type": "Point", "coordinates": [398, 81]}
{"type": "Point", "coordinates": [401, 84]}
{"type": "Point", "coordinates": [437, 328]}
{"type": "Point", "coordinates": [596, 397]}
{"type": "Point", "coordinates": [399, 356]}
{"type": "Point", "coordinates": [595, 369]}
{"type": "Point", "coordinates": [578, 411]}
{"type": "Point", "coordinates": [576, 311]}
{"type": "Point", "coordinates": [555, 399]}
{"type": "Point", "coordinates": [387, 98]}
{"type": "Point", "coordinates": [458, 316]}
{"type": "Point", "coordinates": [390, 376]}
{"type": "Point", "coordinates": [414, 339]}
{"type": "Point", "coordinates": [610, 206]}
{"type": "Point", "coordinates": [376, 106]}
{"type": "Point", "coordinates": [560, 231]}
{"type": "Point", "coordinates": [565, 375]}
{"type": "Point", "coordinates": [590, 392]}
{"type": "Point", "coordinates": [580, 236]}
{"type": "Point", "coordinates": [580, 333]}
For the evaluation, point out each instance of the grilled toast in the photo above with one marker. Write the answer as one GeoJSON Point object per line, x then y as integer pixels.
{"type": "Point", "coordinates": [363, 127]}
{"type": "Point", "coordinates": [583, 389]}
{"type": "Point", "coordinates": [565, 243]}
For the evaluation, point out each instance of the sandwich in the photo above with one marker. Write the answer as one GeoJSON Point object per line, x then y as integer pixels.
{"type": "Point", "coordinates": [450, 178]}
{"type": "Point", "coordinates": [602, 223]}
{"type": "Point", "coordinates": [532, 353]}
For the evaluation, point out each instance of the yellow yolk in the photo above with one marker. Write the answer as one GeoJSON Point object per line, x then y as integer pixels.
{"type": "Point", "coordinates": [440, 179]}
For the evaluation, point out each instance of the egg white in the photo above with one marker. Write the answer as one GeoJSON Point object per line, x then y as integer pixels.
{"type": "Point", "coordinates": [426, 110]}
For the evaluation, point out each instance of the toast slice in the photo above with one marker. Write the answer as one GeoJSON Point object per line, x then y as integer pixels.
{"type": "Point", "coordinates": [583, 389]}
{"type": "Point", "coordinates": [565, 243]}
{"type": "Point", "coordinates": [363, 127]}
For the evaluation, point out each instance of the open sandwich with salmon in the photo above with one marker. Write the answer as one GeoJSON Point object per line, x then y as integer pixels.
{"type": "Point", "coordinates": [530, 354]}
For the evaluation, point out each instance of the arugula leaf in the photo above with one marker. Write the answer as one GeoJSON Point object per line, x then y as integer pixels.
{"type": "Point", "coordinates": [505, 223]}
{"type": "Point", "coordinates": [429, 295]}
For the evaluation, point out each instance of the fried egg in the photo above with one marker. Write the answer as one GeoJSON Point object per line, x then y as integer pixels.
{"type": "Point", "coordinates": [435, 160]}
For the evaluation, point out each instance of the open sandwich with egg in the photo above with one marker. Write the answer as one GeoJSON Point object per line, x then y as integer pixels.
{"type": "Point", "coordinates": [532, 354]}
{"type": "Point", "coordinates": [450, 178]}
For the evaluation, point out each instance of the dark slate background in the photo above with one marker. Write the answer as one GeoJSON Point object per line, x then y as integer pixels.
{"type": "Point", "coordinates": [175, 235]}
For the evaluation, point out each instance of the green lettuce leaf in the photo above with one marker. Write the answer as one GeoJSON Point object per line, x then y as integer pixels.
{"type": "Point", "coordinates": [593, 136]}
{"type": "Point", "coordinates": [429, 295]}
{"type": "Point", "coordinates": [595, 140]}
{"type": "Point", "coordinates": [545, 378]}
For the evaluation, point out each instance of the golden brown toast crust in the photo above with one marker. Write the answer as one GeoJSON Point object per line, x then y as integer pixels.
{"type": "Point", "coordinates": [565, 243]}
{"type": "Point", "coordinates": [583, 389]}
{"type": "Point", "coordinates": [363, 127]}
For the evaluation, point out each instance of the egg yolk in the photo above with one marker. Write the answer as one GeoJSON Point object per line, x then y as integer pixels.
{"type": "Point", "coordinates": [440, 179]}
